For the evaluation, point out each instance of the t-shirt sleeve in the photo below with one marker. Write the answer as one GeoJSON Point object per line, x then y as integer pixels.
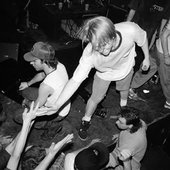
{"type": "Point", "coordinates": [139, 35]}
{"type": "Point", "coordinates": [83, 69]}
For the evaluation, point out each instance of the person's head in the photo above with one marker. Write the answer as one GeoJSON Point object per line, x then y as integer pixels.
{"type": "Point", "coordinates": [129, 119]}
{"type": "Point", "coordinates": [94, 157]}
{"type": "Point", "coordinates": [41, 53]}
{"type": "Point", "coordinates": [100, 31]}
{"type": "Point", "coordinates": [32, 157]}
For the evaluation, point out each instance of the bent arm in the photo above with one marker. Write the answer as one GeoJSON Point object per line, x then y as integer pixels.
{"type": "Point", "coordinates": [44, 92]}
{"type": "Point", "coordinates": [37, 78]}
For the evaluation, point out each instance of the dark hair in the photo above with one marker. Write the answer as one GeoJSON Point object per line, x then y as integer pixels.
{"type": "Point", "coordinates": [94, 157]}
{"type": "Point", "coordinates": [32, 157]}
{"type": "Point", "coordinates": [131, 115]}
{"type": "Point", "coordinates": [52, 59]}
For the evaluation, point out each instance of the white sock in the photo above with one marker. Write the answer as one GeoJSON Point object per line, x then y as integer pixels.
{"type": "Point", "coordinates": [123, 102]}
{"type": "Point", "coordinates": [86, 118]}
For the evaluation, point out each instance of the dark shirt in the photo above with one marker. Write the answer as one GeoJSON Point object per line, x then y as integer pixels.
{"type": "Point", "coordinates": [149, 13]}
{"type": "Point", "coordinates": [4, 158]}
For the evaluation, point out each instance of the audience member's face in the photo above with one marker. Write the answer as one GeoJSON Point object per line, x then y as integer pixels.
{"type": "Point", "coordinates": [106, 48]}
{"type": "Point", "coordinates": [37, 64]}
{"type": "Point", "coordinates": [121, 123]}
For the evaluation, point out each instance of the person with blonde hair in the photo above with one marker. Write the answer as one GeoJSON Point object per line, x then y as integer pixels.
{"type": "Point", "coordinates": [110, 50]}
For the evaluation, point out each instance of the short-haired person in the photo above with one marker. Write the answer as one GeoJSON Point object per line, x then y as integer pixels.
{"type": "Point", "coordinates": [51, 72]}
{"type": "Point", "coordinates": [131, 143]}
{"type": "Point", "coordinates": [111, 51]}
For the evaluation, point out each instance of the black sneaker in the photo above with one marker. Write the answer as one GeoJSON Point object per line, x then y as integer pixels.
{"type": "Point", "coordinates": [83, 130]}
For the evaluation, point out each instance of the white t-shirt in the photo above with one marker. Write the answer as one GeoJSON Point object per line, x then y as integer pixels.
{"type": "Point", "coordinates": [158, 42]}
{"type": "Point", "coordinates": [57, 80]}
{"type": "Point", "coordinates": [119, 63]}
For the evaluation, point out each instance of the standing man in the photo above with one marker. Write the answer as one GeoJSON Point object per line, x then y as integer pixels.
{"type": "Point", "coordinates": [52, 73]}
{"type": "Point", "coordinates": [111, 51]}
{"type": "Point", "coordinates": [131, 142]}
{"type": "Point", "coordinates": [148, 15]}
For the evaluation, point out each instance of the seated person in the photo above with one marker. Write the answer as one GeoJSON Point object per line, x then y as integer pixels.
{"type": "Point", "coordinates": [10, 157]}
{"type": "Point", "coordinates": [51, 72]}
{"type": "Point", "coordinates": [131, 142]}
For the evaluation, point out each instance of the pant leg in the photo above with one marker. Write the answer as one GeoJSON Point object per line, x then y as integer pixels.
{"type": "Point", "coordinates": [164, 73]}
{"type": "Point", "coordinates": [30, 93]}
{"type": "Point", "coordinates": [139, 78]}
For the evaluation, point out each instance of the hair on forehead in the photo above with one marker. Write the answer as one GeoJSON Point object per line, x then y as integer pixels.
{"type": "Point", "coordinates": [98, 30]}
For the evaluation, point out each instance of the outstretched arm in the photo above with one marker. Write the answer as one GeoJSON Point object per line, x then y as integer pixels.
{"type": "Point", "coordinates": [28, 117]}
{"type": "Point", "coordinates": [54, 148]}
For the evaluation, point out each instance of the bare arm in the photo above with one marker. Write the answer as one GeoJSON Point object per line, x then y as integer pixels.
{"type": "Point", "coordinates": [44, 92]}
{"type": "Point", "coordinates": [20, 144]}
{"type": "Point", "coordinates": [131, 15]}
{"type": "Point", "coordinates": [37, 78]}
{"type": "Point", "coordinates": [146, 61]}
{"type": "Point", "coordinates": [68, 91]}
{"type": "Point", "coordinates": [53, 150]}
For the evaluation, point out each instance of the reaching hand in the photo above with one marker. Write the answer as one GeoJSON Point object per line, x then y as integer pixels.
{"type": "Point", "coordinates": [46, 110]}
{"type": "Point", "coordinates": [31, 114]}
{"type": "Point", "coordinates": [23, 85]}
{"type": "Point", "coordinates": [54, 148]}
{"type": "Point", "coordinates": [146, 64]}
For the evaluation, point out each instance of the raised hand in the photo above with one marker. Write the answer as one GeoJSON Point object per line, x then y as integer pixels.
{"type": "Point", "coordinates": [54, 148]}
{"type": "Point", "coordinates": [46, 110]}
{"type": "Point", "coordinates": [30, 115]}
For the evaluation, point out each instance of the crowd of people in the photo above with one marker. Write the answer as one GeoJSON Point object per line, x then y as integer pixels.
{"type": "Point", "coordinates": [110, 49]}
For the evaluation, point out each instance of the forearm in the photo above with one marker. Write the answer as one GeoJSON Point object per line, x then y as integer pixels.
{"type": "Point", "coordinates": [45, 162]}
{"type": "Point", "coordinates": [130, 15]}
{"type": "Point", "coordinates": [20, 144]}
{"type": "Point", "coordinates": [37, 78]}
{"type": "Point", "coordinates": [67, 92]}
{"type": "Point", "coordinates": [145, 49]}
